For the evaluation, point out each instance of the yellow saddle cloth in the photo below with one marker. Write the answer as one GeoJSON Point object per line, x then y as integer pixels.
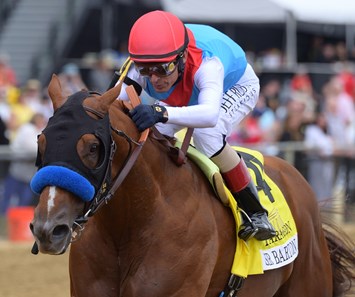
{"type": "Point", "coordinates": [254, 257]}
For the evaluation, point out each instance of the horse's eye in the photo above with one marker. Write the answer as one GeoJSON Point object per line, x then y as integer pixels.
{"type": "Point", "coordinates": [94, 148]}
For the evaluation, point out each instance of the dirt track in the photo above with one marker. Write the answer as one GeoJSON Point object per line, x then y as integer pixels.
{"type": "Point", "coordinates": [25, 275]}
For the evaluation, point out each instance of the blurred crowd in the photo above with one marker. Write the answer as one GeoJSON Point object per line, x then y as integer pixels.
{"type": "Point", "coordinates": [24, 113]}
{"type": "Point", "coordinates": [287, 110]}
{"type": "Point", "coordinates": [321, 51]}
{"type": "Point", "coordinates": [322, 120]}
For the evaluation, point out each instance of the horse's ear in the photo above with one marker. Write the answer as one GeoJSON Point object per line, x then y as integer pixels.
{"type": "Point", "coordinates": [110, 96]}
{"type": "Point", "coordinates": [55, 92]}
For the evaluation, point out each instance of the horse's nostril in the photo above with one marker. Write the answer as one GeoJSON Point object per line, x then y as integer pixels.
{"type": "Point", "coordinates": [61, 230]}
{"type": "Point", "coordinates": [31, 227]}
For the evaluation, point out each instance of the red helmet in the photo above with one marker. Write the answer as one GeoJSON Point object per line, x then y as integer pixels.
{"type": "Point", "coordinates": [157, 36]}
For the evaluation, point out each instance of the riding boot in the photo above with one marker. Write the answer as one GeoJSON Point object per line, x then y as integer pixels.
{"type": "Point", "coordinates": [256, 223]}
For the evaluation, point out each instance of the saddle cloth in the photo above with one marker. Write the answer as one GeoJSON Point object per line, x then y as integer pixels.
{"type": "Point", "coordinates": [254, 257]}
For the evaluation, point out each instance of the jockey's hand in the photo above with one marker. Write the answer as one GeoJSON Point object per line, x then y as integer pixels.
{"type": "Point", "coordinates": [146, 116]}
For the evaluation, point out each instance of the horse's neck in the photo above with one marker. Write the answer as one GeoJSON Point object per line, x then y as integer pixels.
{"type": "Point", "coordinates": [153, 180]}
{"type": "Point", "coordinates": [146, 183]}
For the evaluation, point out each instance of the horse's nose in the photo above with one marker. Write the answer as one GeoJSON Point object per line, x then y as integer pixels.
{"type": "Point", "coordinates": [49, 233]}
{"type": "Point", "coordinates": [51, 238]}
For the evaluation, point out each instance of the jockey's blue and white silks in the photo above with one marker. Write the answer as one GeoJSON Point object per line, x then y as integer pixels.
{"type": "Point", "coordinates": [205, 42]}
{"type": "Point", "coordinates": [65, 178]}
{"type": "Point", "coordinates": [217, 89]}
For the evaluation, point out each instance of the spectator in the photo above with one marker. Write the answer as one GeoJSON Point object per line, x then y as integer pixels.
{"type": "Point", "coordinates": [271, 91]}
{"type": "Point", "coordinates": [71, 80]}
{"type": "Point", "coordinates": [7, 74]}
{"type": "Point", "coordinates": [272, 58]}
{"type": "Point", "coordinates": [301, 82]}
{"type": "Point", "coordinates": [328, 54]}
{"type": "Point", "coordinates": [257, 127]}
{"type": "Point", "coordinates": [247, 132]}
{"type": "Point", "coordinates": [32, 95]}
{"type": "Point", "coordinates": [17, 190]}
{"type": "Point", "coordinates": [341, 51]}
{"type": "Point", "coordinates": [5, 109]}
{"type": "Point", "coordinates": [3, 141]}
{"type": "Point", "coordinates": [3, 137]}
{"type": "Point", "coordinates": [101, 74]}
{"type": "Point", "coordinates": [321, 167]}
{"type": "Point", "coordinates": [315, 51]}
{"type": "Point", "coordinates": [20, 114]}
{"type": "Point", "coordinates": [29, 102]}
{"type": "Point", "coordinates": [340, 110]}
{"type": "Point", "coordinates": [347, 78]}
{"type": "Point", "coordinates": [294, 122]}
{"type": "Point", "coordinates": [293, 130]}
{"type": "Point", "coordinates": [302, 90]}
{"type": "Point", "coordinates": [47, 105]}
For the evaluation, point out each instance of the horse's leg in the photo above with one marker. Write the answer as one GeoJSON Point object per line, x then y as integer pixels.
{"type": "Point", "coordinates": [93, 266]}
{"type": "Point", "coordinates": [311, 274]}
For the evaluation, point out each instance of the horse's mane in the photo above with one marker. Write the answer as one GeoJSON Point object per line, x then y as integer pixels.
{"type": "Point", "coordinates": [120, 105]}
{"type": "Point", "coordinates": [167, 144]}
{"type": "Point", "coordinates": [120, 119]}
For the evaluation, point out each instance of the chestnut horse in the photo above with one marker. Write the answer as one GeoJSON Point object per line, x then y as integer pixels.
{"type": "Point", "coordinates": [161, 232]}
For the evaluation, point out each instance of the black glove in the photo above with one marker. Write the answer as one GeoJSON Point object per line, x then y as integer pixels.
{"type": "Point", "coordinates": [146, 116]}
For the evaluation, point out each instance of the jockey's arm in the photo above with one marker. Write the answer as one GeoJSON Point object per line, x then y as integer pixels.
{"type": "Point", "coordinates": [209, 80]}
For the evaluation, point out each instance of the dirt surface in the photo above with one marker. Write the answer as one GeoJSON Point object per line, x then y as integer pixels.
{"type": "Point", "coordinates": [25, 275]}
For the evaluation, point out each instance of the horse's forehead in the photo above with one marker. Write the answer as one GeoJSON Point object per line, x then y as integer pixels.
{"type": "Point", "coordinates": [47, 201]}
{"type": "Point", "coordinates": [54, 200]}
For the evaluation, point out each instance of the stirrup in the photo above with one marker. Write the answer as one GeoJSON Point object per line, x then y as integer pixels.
{"type": "Point", "coordinates": [248, 229]}
{"type": "Point", "coordinates": [266, 230]}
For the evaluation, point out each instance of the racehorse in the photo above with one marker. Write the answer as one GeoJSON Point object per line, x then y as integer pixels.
{"type": "Point", "coordinates": [159, 230]}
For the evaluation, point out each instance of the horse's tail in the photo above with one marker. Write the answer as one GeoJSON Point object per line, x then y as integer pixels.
{"type": "Point", "coordinates": [342, 254]}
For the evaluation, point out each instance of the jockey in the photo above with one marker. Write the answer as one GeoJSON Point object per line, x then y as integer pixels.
{"type": "Point", "coordinates": [199, 78]}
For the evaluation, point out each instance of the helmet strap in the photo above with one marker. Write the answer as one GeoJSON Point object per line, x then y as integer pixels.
{"type": "Point", "coordinates": [180, 66]}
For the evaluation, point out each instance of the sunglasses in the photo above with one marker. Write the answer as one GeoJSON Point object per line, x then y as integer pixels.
{"type": "Point", "coordinates": [164, 69]}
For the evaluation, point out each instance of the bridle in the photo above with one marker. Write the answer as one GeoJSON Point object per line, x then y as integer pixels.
{"type": "Point", "coordinates": [104, 195]}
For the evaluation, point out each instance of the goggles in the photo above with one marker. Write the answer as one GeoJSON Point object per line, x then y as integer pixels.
{"type": "Point", "coordinates": [164, 69]}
